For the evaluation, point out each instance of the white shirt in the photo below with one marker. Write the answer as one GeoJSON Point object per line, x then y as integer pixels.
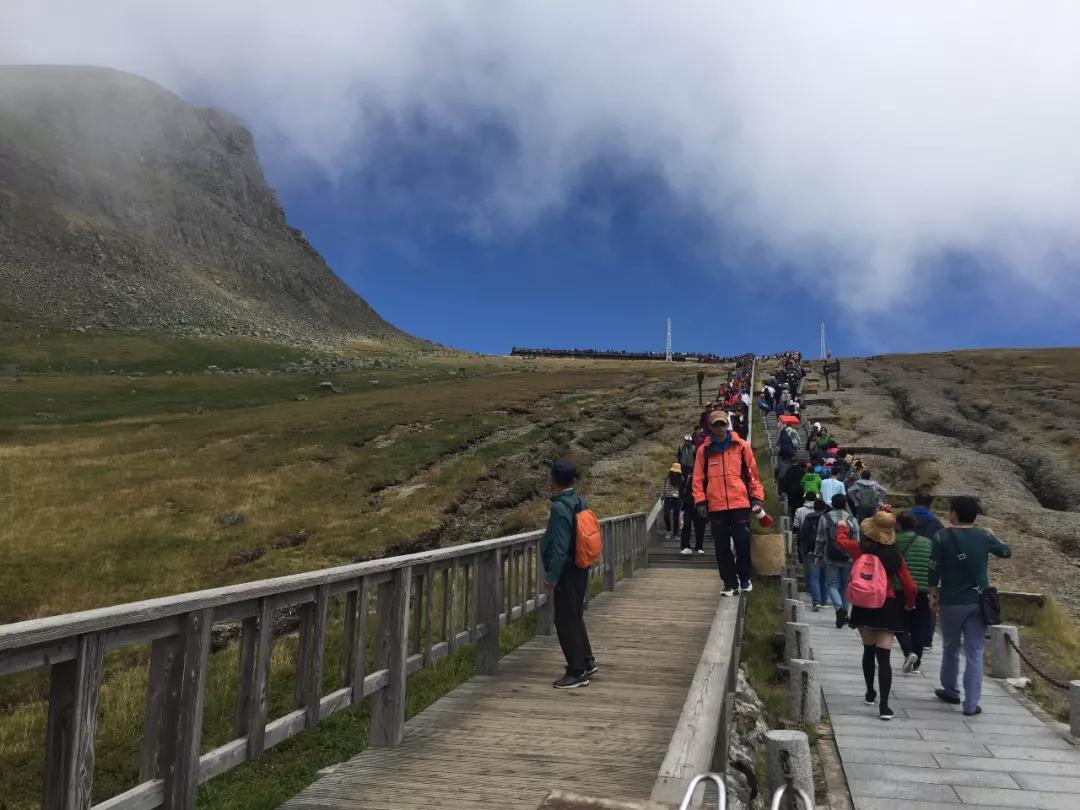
{"type": "Point", "coordinates": [830, 487]}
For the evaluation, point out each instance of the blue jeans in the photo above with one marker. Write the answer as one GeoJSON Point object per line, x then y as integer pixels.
{"type": "Point", "coordinates": [836, 579]}
{"type": "Point", "coordinates": [815, 579]}
{"type": "Point", "coordinates": [962, 621]}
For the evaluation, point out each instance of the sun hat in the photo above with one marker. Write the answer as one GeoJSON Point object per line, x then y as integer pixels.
{"type": "Point", "coordinates": [716, 417]}
{"type": "Point", "coordinates": [881, 528]}
{"type": "Point", "coordinates": [676, 468]}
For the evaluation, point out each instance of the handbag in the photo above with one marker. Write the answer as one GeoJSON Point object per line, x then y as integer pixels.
{"type": "Point", "coordinates": [989, 604]}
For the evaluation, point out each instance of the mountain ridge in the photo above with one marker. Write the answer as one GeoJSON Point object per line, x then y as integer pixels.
{"type": "Point", "coordinates": [123, 207]}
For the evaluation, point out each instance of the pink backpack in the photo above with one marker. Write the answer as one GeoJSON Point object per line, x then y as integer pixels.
{"type": "Point", "coordinates": [869, 584]}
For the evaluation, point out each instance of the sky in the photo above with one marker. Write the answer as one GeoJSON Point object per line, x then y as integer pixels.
{"type": "Point", "coordinates": [572, 174]}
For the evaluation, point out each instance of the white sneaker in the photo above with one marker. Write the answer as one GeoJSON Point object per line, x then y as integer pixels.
{"type": "Point", "coordinates": [728, 592]}
{"type": "Point", "coordinates": [686, 551]}
{"type": "Point", "coordinates": [701, 551]}
{"type": "Point", "coordinates": [749, 586]}
{"type": "Point", "coordinates": [910, 662]}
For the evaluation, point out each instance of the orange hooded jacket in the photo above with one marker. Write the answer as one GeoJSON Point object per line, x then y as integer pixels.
{"type": "Point", "coordinates": [733, 476]}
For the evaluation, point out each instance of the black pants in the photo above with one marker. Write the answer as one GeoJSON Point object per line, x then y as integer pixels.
{"type": "Point", "coordinates": [690, 516]}
{"type": "Point", "coordinates": [731, 528]}
{"type": "Point", "coordinates": [920, 627]}
{"type": "Point", "coordinates": [570, 619]}
{"type": "Point", "coordinates": [672, 507]}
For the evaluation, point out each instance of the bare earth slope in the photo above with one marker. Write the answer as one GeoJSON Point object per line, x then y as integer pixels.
{"type": "Point", "coordinates": [998, 424]}
{"type": "Point", "coordinates": [122, 206]}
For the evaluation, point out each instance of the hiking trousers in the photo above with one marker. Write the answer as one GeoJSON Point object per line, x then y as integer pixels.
{"type": "Point", "coordinates": [569, 595]}
{"type": "Point", "coordinates": [672, 508]}
{"type": "Point", "coordinates": [962, 625]}
{"type": "Point", "coordinates": [731, 536]}
{"type": "Point", "coordinates": [691, 517]}
{"type": "Point", "coordinates": [921, 627]}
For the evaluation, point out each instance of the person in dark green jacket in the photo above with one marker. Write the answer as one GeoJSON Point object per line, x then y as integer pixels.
{"type": "Point", "coordinates": [916, 550]}
{"type": "Point", "coordinates": [566, 581]}
{"type": "Point", "coordinates": [958, 574]}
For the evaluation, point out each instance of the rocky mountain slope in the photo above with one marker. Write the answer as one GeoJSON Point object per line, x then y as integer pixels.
{"type": "Point", "coordinates": [124, 207]}
{"type": "Point", "coordinates": [997, 424]}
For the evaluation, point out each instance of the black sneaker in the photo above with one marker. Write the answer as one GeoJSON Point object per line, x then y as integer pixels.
{"type": "Point", "coordinates": [885, 713]}
{"type": "Point", "coordinates": [571, 681]}
{"type": "Point", "coordinates": [841, 617]}
{"type": "Point", "coordinates": [978, 710]}
{"type": "Point", "coordinates": [916, 665]}
{"type": "Point", "coordinates": [945, 697]}
{"type": "Point", "coordinates": [870, 697]}
{"type": "Point", "coordinates": [591, 670]}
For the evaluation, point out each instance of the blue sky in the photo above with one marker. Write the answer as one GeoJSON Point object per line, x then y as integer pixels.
{"type": "Point", "coordinates": [566, 173]}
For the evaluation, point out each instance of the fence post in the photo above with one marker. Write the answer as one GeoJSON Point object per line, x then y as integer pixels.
{"type": "Point", "coordinates": [487, 584]}
{"type": "Point", "coordinates": [391, 653]}
{"type": "Point", "coordinates": [543, 612]}
{"type": "Point", "coordinates": [796, 641]}
{"type": "Point", "coordinates": [608, 534]}
{"type": "Point", "coordinates": [69, 740]}
{"type": "Point", "coordinates": [181, 746]}
{"type": "Point", "coordinates": [804, 689]}
{"type": "Point", "coordinates": [627, 532]}
{"type": "Point", "coordinates": [1074, 708]}
{"type": "Point", "coordinates": [793, 610]}
{"type": "Point", "coordinates": [1004, 660]}
{"type": "Point", "coordinates": [788, 756]}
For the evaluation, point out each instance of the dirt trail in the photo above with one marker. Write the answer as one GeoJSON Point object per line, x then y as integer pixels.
{"type": "Point", "coordinates": [971, 415]}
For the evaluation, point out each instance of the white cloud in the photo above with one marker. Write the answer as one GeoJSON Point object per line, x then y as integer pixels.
{"type": "Point", "coordinates": [876, 133]}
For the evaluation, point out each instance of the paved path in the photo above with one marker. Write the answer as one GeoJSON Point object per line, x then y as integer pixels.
{"type": "Point", "coordinates": [930, 755]}
{"type": "Point", "coordinates": [504, 741]}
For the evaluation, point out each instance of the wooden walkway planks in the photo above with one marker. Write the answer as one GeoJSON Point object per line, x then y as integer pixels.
{"type": "Point", "coordinates": [930, 755]}
{"type": "Point", "coordinates": [504, 741]}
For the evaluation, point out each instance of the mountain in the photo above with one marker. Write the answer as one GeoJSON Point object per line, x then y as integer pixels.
{"type": "Point", "coordinates": [124, 207]}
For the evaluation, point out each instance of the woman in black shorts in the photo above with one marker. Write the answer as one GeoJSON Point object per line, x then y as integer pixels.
{"type": "Point", "coordinates": [878, 626]}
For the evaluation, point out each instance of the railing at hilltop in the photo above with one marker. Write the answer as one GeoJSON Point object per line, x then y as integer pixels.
{"type": "Point", "coordinates": [613, 354]}
{"type": "Point", "coordinates": [412, 610]}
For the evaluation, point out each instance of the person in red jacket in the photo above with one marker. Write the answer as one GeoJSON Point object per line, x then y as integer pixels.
{"type": "Point", "coordinates": [878, 626]}
{"type": "Point", "coordinates": [726, 486]}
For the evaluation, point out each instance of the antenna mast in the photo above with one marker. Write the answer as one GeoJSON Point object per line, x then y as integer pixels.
{"type": "Point", "coordinates": [823, 340]}
{"type": "Point", "coordinates": [667, 344]}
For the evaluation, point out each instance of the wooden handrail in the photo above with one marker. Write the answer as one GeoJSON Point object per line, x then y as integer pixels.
{"type": "Point", "coordinates": [425, 606]}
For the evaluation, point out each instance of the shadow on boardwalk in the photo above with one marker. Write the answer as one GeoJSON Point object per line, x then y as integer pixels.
{"type": "Point", "coordinates": [504, 741]}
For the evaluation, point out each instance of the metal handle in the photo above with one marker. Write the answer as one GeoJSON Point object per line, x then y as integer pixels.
{"type": "Point", "coordinates": [799, 792]}
{"type": "Point", "coordinates": [721, 791]}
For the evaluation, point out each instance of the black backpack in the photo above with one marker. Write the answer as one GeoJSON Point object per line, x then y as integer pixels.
{"type": "Point", "coordinates": [833, 552]}
{"type": "Point", "coordinates": [808, 533]}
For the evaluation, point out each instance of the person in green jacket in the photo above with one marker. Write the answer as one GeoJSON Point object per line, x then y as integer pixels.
{"type": "Point", "coordinates": [811, 481]}
{"type": "Point", "coordinates": [567, 582]}
{"type": "Point", "coordinates": [916, 550]}
{"type": "Point", "coordinates": [958, 575]}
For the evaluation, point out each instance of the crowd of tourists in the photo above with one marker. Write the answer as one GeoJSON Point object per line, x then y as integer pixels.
{"type": "Point", "coordinates": [618, 354]}
{"type": "Point", "coordinates": [890, 576]}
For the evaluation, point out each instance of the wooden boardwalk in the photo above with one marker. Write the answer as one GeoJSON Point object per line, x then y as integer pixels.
{"type": "Point", "coordinates": [930, 755]}
{"type": "Point", "coordinates": [504, 741]}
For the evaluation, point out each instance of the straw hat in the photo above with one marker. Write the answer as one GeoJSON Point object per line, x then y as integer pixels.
{"type": "Point", "coordinates": [676, 468]}
{"type": "Point", "coordinates": [881, 528]}
{"type": "Point", "coordinates": [716, 417]}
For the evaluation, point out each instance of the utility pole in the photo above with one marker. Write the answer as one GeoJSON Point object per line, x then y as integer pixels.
{"type": "Point", "coordinates": [823, 340]}
{"type": "Point", "coordinates": [667, 345]}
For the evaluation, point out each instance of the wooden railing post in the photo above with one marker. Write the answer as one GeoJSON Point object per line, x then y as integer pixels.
{"type": "Point", "coordinates": [69, 740]}
{"type": "Point", "coordinates": [391, 653]}
{"type": "Point", "coordinates": [312, 673]}
{"type": "Point", "coordinates": [180, 748]}
{"type": "Point", "coordinates": [249, 642]}
{"type": "Point", "coordinates": [258, 702]}
{"type": "Point", "coordinates": [488, 570]}
{"type": "Point", "coordinates": [608, 533]}
{"type": "Point", "coordinates": [543, 612]}
{"type": "Point", "coordinates": [162, 689]}
{"type": "Point", "coordinates": [360, 656]}
{"type": "Point", "coordinates": [627, 530]}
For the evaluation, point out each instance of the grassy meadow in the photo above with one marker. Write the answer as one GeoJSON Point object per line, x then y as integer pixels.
{"type": "Point", "coordinates": [120, 457]}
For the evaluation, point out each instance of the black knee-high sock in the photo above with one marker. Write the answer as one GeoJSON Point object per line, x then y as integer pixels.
{"type": "Point", "coordinates": [884, 676]}
{"type": "Point", "coordinates": [868, 658]}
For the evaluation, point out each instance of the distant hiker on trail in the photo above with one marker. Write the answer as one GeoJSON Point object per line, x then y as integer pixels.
{"type": "Point", "coordinates": [877, 612]}
{"type": "Point", "coordinates": [686, 452]}
{"type": "Point", "coordinates": [567, 580]}
{"type": "Point", "coordinates": [916, 550]}
{"type": "Point", "coordinates": [811, 480]}
{"type": "Point", "coordinates": [833, 485]}
{"type": "Point", "coordinates": [726, 487]}
{"type": "Point", "coordinates": [801, 513]}
{"type": "Point", "coordinates": [690, 517]}
{"type": "Point", "coordinates": [958, 579]}
{"type": "Point", "coordinates": [672, 495]}
{"type": "Point", "coordinates": [927, 523]}
{"type": "Point", "coordinates": [790, 485]}
{"type": "Point", "coordinates": [865, 496]}
{"type": "Point", "coordinates": [700, 437]}
{"type": "Point", "coordinates": [806, 541]}
{"type": "Point", "coordinates": [836, 561]}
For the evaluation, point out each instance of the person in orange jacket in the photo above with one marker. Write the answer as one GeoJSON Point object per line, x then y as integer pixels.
{"type": "Point", "coordinates": [726, 486]}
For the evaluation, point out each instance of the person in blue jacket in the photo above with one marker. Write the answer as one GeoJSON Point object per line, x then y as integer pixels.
{"type": "Point", "coordinates": [567, 582]}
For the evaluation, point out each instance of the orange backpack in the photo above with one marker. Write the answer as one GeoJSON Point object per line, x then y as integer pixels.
{"type": "Point", "coordinates": [588, 540]}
